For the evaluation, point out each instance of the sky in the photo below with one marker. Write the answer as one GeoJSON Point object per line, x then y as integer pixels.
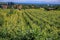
{"type": "Point", "coordinates": [32, 1]}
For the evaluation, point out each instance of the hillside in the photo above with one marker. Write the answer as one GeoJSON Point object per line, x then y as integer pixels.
{"type": "Point", "coordinates": [29, 24]}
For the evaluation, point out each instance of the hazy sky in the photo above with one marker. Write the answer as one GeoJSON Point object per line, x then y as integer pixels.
{"type": "Point", "coordinates": [57, 1]}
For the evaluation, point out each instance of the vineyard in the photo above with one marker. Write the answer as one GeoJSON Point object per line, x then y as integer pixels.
{"type": "Point", "coordinates": [29, 24]}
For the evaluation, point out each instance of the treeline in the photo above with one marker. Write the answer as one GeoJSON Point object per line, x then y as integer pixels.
{"type": "Point", "coordinates": [17, 6]}
{"type": "Point", "coordinates": [29, 6]}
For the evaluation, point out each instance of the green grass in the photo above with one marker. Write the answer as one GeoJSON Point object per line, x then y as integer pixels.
{"type": "Point", "coordinates": [29, 24]}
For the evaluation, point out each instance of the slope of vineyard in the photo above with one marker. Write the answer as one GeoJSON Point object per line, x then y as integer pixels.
{"type": "Point", "coordinates": [29, 24]}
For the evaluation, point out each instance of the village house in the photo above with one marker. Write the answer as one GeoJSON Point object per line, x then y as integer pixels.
{"type": "Point", "coordinates": [33, 6]}
{"type": "Point", "coordinates": [4, 6]}
{"type": "Point", "coordinates": [19, 7]}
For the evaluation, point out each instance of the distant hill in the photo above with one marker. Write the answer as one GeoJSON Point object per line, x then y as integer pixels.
{"type": "Point", "coordinates": [3, 2]}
